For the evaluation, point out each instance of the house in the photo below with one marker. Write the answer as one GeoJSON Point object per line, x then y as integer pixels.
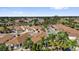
{"type": "Point", "coordinates": [6, 38]}
{"type": "Point", "coordinates": [73, 33]}
{"type": "Point", "coordinates": [17, 41]}
{"type": "Point", "coordinates": [51, 30]}
{"type": "Point", "coordinates": [33, 29]}
{"type": "Point", "coordinates": [37, 37]}
{"type": "Point", "coordinates": [19, 28]}
{"type": "Point", "coordinates": [76, 20]}
{"type": "Point", "coordinates": [23, 20]}
{"type": "Point", "coordinates": [7, 24]}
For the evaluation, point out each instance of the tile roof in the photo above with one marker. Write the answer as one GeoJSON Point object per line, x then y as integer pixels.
{"type": "Point", "coordinates": [6, 38]}
{"type": "Point", "coordinates": [38, 36]}
{"type": "Point", "coordinates": [18, 39]}
{"type": "Point", "coordinates": [18, 28]}
{"type": "Point", "coordinates": [70, 31]}
{"type": "Point", "coordinates": [76, 20]}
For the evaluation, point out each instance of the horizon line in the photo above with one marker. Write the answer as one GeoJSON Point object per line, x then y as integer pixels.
{"type": "Point", "coordinates": [42, 16]}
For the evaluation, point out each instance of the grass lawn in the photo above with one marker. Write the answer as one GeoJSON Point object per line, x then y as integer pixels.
{"type": "Point", "coordinates": [10, 27]}
{"type": "Point", "coordinates": [1, 28]}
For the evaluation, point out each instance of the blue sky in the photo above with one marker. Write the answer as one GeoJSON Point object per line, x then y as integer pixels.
{"type": "Point", "coordinates": [39, 11]}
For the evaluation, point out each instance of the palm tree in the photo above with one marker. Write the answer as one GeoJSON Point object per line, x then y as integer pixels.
{"type": "Point", "coordinates": [62, 41]}
{"type": "Point", "coordinates": [3, 47]}
{"type": "Point", "coordinates": [62, 37]}
{"type": "Point", "coordinates": [28, 43]}
{"type": "Point", "coordinates": [39, 46]}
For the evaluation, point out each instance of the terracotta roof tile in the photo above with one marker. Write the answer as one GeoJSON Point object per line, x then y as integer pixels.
{"type": "Point", "coordinates": [39, 36]}
{"type": "Point", "coordinates": [70, 31]}
{"type": "Point", "coordinates": [18, 39]}
{"type": "Point", "coordinates": [6, 38]}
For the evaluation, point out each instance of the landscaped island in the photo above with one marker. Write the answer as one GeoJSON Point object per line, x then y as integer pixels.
{"type": "Point", "coordinates": [57, 33]}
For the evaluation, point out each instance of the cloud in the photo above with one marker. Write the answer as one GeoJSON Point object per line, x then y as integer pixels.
{"type": "Point", "coordinates": [59, 8]}
{"type": "Point", "coordinates": [18, 12]}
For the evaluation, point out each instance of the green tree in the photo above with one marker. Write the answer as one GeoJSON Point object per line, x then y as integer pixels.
{"type": "Point", "coordinates": [56, 19]}
{"type": "Point", "coordinates": [28, 43]}
{"type": "Point", "coordinates": [3, 47]}
{"type": "Point", "coordinates": [63, 42]}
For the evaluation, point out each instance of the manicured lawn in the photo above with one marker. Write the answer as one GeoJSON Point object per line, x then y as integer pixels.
{"type": "Point", "coordinates": [1, 28]}
{"type": "Point", "coordinates": [10, 27]}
